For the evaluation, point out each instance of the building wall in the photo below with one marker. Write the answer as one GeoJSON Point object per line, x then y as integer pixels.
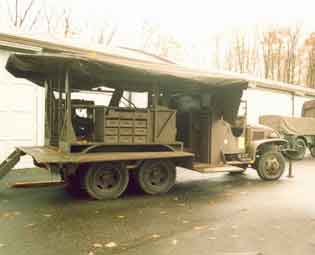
{"type": "Point", "coordinates": [21, 113]}
{"type": "Point", "coordinates": [262, 102]}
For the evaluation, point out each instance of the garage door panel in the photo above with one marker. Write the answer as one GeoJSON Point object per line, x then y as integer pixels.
{"type": "Point", "coordinates": [17, 125]}
{"type": "Point", "coordinates": [17, 97]}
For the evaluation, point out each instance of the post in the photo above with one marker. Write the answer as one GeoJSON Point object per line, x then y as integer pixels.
{"type": "Point", "coordinates": [67, 133]}
{"type": "Point", "coordinates": [290, 174]}
{"type": "Point", "coordinates": [155, 102]}
{"type": "Point", "coordinates": [293, 104]}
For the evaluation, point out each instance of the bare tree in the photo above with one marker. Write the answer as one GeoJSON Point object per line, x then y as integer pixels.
{"type": "Point", "coordinates": [23, 14]}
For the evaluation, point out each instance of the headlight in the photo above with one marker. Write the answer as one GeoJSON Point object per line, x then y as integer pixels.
{"type": "Point", "coordinates": [274, 134]}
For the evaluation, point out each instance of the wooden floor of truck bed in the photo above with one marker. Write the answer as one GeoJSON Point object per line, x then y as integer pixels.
{"type": "Point", "coordinates": [46, 154]}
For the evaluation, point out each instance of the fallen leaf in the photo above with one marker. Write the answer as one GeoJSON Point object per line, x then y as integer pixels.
{"type": "Point", "coordinates": [47, 215]}
{"type": "Point", "coordinates": [111, 245]}
{"type": "Point", "coordinates": [155, 236]}
{"type": "Point", "coordinates": [163, 212]}
{"type": "Point", "coordinates": [174, 242]}
{"type": "Point", "coordinates": [98, 245]}
{"type": "Point", "coordinates": [200, 227]}
{"type": "Point", "coordinates": [120, 216]}
{"type": "Point", "coordinates": [30, 225]}
{"type": "Point", "coordinates": [91, 253]}
{"type": "Point", "coordinates": [212, 238]}
{"type": "Point", "coordinates": [185, 221]}
{"type": "Point", "coordinates": [6, 215]}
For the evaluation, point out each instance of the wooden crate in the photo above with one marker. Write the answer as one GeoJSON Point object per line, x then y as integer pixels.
{"type": "Point", "coordinates": [125, 131]}
{"type": "Point", "coordinates": [111, 139]}
{"type": "Point", "coordinates": [140, 131]}
{"type": "Point", "coordinates": [126, 123]}
{"type": "Point", "coordinates": [140, 139]}
{"type": "Point", "coordinates": [111, 123]}
{"type": "Point", "coordinates": [125, 139]}
{"type": "Point", "coordinates": [140, 123]}
{"type": "Point", "coordinates": [111, 131]}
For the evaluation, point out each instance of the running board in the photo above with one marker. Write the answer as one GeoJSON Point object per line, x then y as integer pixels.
{"type": "Point", "coordinates": [10, 162]}
{"type": "Point", "coordinates": [205, 168]}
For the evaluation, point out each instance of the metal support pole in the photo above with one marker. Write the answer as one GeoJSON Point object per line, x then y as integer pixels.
{"type": "Point", "coordinates": [290, 174]}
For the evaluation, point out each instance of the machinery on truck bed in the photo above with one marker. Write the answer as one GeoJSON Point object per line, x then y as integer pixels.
{"type": "Point", "coordinates": [298, 131]}
{"type": "Point", "coordinates": [190, 121]}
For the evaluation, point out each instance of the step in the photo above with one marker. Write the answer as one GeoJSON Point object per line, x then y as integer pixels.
{"type": "Point", "coordinates": [206, 168]}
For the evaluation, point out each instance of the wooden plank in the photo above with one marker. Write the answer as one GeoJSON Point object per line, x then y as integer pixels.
{"type": "Point", "coordinates": [36, 184]}
{"type": "Point", "coordinates": [44, 154]}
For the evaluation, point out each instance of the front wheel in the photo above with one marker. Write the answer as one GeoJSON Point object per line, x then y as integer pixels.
{"type": "Point", "coordinates": [156, 176]}
{"type": "Point", "coordinates": [270, 166]}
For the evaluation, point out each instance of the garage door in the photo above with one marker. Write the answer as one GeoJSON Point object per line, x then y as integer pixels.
{"type": "Point", "coordinates": [18, 113]}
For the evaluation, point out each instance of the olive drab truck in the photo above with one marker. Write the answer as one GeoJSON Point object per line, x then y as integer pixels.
{"type": "Point", "coordinates": [298, 131]}
{"type": "Point", "coordinates": [190, 121]}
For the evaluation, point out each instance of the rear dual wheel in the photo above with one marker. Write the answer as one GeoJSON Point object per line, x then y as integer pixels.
{"type": "Point", "coordinates": [156, 176]}
{"type": "Point", "coordinates": [105, 181]}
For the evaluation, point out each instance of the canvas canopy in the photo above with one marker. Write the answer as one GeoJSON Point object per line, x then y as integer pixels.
{"type": "Point", "coordinates": [308, 109]}
{"type": "Point", "coordinates": [289, 125]}
{"type": "Point", "coordinates": [89, 71]}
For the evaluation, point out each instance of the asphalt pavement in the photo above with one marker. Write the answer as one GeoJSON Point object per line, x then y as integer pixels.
{"type": "Point", "coordinates": [202, 214]}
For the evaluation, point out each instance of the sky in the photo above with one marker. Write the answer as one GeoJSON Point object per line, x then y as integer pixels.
{"type": "Point", "coordinates": [190, 20]}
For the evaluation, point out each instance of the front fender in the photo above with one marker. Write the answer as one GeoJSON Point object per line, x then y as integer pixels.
{"type": "Point", "coordinates": [254, 146]}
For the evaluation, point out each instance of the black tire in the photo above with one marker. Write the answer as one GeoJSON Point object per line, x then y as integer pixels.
{"type": "Point", "coordinates": [270, 166]}
{"type": "Point", "coordinates": [300, 147]}
{"type": "Point", "coordinates": [234, 173]}
{"type": "Point", "coordinates": [156, 176]}
{"type": "Point", "coordinates": [103, 181]}
{"type": "Point", "coordinates": [73, 185]}
{"type": "Point", "coordinates": [312, 151]}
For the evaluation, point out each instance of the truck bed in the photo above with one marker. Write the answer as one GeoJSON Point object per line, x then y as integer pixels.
{"type": "Point", "coordinates": [299, 126]}
{"type": "Point", "coordinates": [46, 154]}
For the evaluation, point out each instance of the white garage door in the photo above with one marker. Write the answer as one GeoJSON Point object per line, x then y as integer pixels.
{"type": "Point", "coordinates": [18, 113]}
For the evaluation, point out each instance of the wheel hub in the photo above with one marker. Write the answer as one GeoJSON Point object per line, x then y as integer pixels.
{"type": "Point", "coordinates": [106, 179]}
{"type": "Point", "coordinates": [272, 166]}
{"type": "Point", "coordinates": [157, 176]}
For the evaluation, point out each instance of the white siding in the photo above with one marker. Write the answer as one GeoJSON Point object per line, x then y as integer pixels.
{"type": "Point", "coordinates": [21, 119]}
{"type": "Point", "coordinates": [262, 102]}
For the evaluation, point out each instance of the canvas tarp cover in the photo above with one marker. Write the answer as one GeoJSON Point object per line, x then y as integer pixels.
{"type": "Point", "coordinates": [89, 71]}
{"type": "Point", "coordinates": [308, 109]}
{"type": "Point", "coordinates": [289, 125]}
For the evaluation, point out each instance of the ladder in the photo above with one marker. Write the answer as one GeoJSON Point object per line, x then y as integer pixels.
{"type": "Point", "coordinates": [10, 162]}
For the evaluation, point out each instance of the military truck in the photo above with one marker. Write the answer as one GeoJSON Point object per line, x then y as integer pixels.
{"type": "Point", "coordinates": [298, 131]}
{"type": "Point", "coordinates": [190, 121]}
